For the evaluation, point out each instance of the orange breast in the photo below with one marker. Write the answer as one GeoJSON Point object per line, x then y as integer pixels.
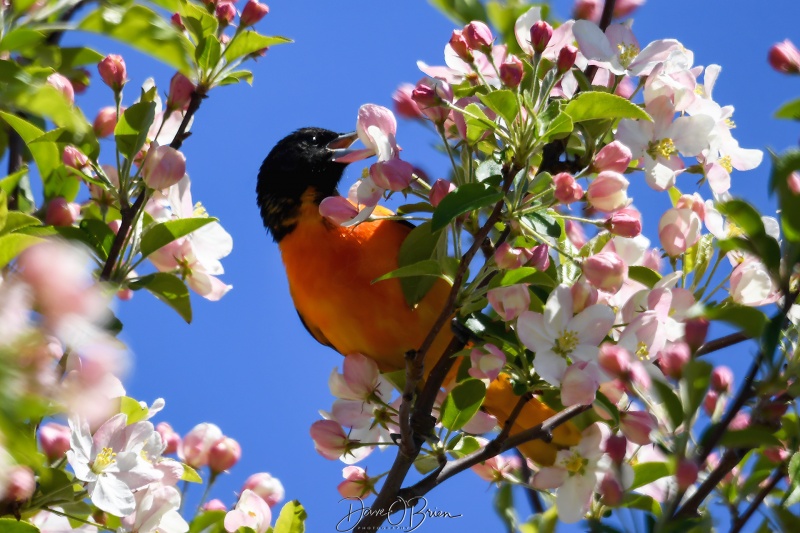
{"type": "Point", "coordinates": [331, 270]}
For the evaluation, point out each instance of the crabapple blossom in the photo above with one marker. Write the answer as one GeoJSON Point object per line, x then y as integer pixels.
{"type": "Point", "coordinates": [626, 222]}
{"type": "Point", "coordinates": [673, 357]}
{"type": "Point", "coordinates": [614, 156]}
{"type": "Point", "coordinates": [404, 104]}
{"type": "Point", "coordinates": [74, 158]}
{"type": "Point", "coordinates": [498, 468]}
{"type": "Point", "coordinates": [181, 90]}
{"type": "Point", "coordinates": [269, 488]}
{"type": "Point", "coordinates": [567, 190]}
{"type": "Point", "coordinates": [722, 379]}
{"type": "Point", "coordinates": [20, 485]}
{"type": "Point", "coordinates": [637, 426]}
{"type": "Point", "coordinates": [164, 166]}
{"type": "Point", "coordinates": [794, 182]}
{"type": "Point", "coordinates": [225, 12]}
{"type": "Point", "coordinates": [678, 230]}
{"type": "Point", "coordinates": [566, 58]}
{"type": "Point", "coordinates": [54, 440]}
{"type": "Point", "coordinates": [541, 33]}
{"type": "Point", "coordinates": [197, 444]}
{"type": "Point", "coordinates": [394, 175]}
{"type": "Point", "coordinates": [60, 212]}
{"type": "Point", "coordinates": [509, 302]}
{"type": "Point", "coordinates": [487, 362]}
{"type": "Point", "coordinates": [510, 257]}
{"type": "Point", "coordinates": [686, 473]}
{"type": "Point", "coordinates": [511, 72]}
{"type": "Point", "coordinates": [360, 380]}
{"type": "Point", "coordinates": [105, 121]}
{"type": "Point", "coordinates": [214, 505]}
{"type": "Point", "coordinates": [431, 96]}
{"type": "Point", "coordinates": [608, 191]}
{"type": "Point", "coordinates": [478, 35]}
{"type": "Point", "coordinates": [157, 511]}
{"type": "Point", "coordinates": [250, 511]}
{"type": "Point", "coordinates": [751, 284]}
{"type": "Point", "coordinates": [784, 57]}
{"type": "Point", "coordinates": [579, 384]}
{"type": "Point", "coordinates": [223, 455]}
{"type": "Point", "coordinates": [169, 437]}
{"type": "Point", "coordinates": [112, 71]}
{"type": "Point", "coordinates": [459, 45]}
{"type": "Point", "coordinates": [253, 12]}
{"type": "Point", "coordinates": [62, 84]}
{"type": "Point", "coordinates": [606, 271]}
{"type": "Point", "coordinates": [540, 257]}
{"type": "Point", "coordinates": [356, 484]}
{"type": "Point", "coordinates": [329, 438]}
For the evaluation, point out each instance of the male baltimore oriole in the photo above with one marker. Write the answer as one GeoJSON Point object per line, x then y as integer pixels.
{"type": "Point", "coordinates": [331, 270]}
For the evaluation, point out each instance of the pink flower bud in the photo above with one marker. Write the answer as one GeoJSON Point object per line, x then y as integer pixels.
{"type": "Point", "coordinates": [459, 45]}
{"type": "Point", "coordinates": [267, 487]}
{"type": "Point", "coordinates": [540, 257]}
{"type": "Point", "coordinates": [606, 271]}
{"type": "Point", "coordinates": [575, 233]}
{"type": "Point", "coordinates": [776, 454]}
{"type": "Point", "coordinates": [21, 484]}
{"type": "Point", "coordinates": [253, 12]}
{"type": "Point", "coordinates": [214, 505]}
{"type": "Point", "coordinates": [356, 483]}
{"type": "Point", "coordinates": [79, 79]}
{"type": "Point", "coordinates": [224, 455]}
{"type": "Point", "coordinates": [225, 12]}
{"type": "Point", "coordinates": [439, 190]}
{"type": "Point", "coordinates": [541, 32]}
{"type": "Point", "coordinates": [507, 257]}
{"type": "Point", "coordinates": [583, 295]}
{"type": "Point", "coordinates": [404, 105]}
{"type": "Point", "coordinates": [487, 362]}
{"type": "Point", "coordinates": [722, 379]}
{"type": "Point", "coordinates": [337, 209]}
{"type": "Point", "coordinates": [567, 189]}
{"type": "Point", "coordinates": [566, 58]}
{"type": "Point", "coordinates": [430, 94]}
{"type": "Point", "coordinates": [330, 440]}
{"type": "Point", "coordinates": [125, 294]}
{"type": "Point", "coordinates": [197, 443]}
{"type": "Point", "coordinates": [63, 84]}
{"type": "Point", "coordinates": [511, 72]}
{"type": "Point", "coordinates": [106, 121]}
{"type": "Point", "coordinates": [181, 90]}
{"type": "Point", "coordinates": [696, 331]}
{"type": "Point", "coordinates": [693, 202]}
{"type": "Point", "coordinates": [710, 402]}
{"type": "Point", "coordinates": [608, 191]}
{"type": "Point", "coordinates": [509, 302]}
{"type": "Point", "coordinates": [74, 158]}
{"type": "Point", "coordinates": [673, 358]}
{"type": "Point", "coordinates": [611, 491]}
{"type": "Point", "coordinates": [176, 21]}
{"type": "Point", "coordinates": [614, 360]}
{"type": "Point", "coordinates": [54, 440]}
{"type": "Point", "coordinates": [164, 167]}
{"type": "Point", "coordinates": [679, 230]}
{"type": "Point", "coordinates": [586, 10]}
{"type": "Point", "coordinates": [62, 213]}
{"type": "Point", "coordinates": [794, 182]}
{"type": "Point", "coordinates": [112, 71]}
{"type": "Point", "coordinates": [394, 174]}
{"type": "Point", "coordinates": [784, 57]}
{"type": "Point", "coordinates": [579, 384]}
{"type": "Point", "coordinates": [616, 448]}
{"type": "Point", "coordinates": [686, 473]}
{"type": "Point", "coordinates": [623, 8]}
{"type": "Point", "coordinates": [614, 156]}
{"type": "Point", "coordinates": [169, 437]}
{"type": "Point", "coordinates": [740, 421]}
{"type": "Point", "coordinates": [478, 35]}
{"type": "Point", "coordinates": [625, 223]}
{"type": "Point", "coordinates": [637, 426]}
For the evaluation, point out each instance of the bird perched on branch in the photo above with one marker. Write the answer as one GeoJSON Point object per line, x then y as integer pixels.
{"type": "Point", "coordinates": [331, 270]}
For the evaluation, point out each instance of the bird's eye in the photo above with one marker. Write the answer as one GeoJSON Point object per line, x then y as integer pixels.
{"type": "Point", "coordinates": [314, 139]}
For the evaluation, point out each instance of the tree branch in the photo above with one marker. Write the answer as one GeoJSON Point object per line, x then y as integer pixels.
{"type": "Point", "coordinates": [608, 14]}
{"type": "Point", "coordinates": [776, 477]}
{"type": "Point", "coordinates": [728, 461]}
{"type": "Point", "coordinates": [722, 342]}
{"type": "Point", "coordinates": [533, 494]}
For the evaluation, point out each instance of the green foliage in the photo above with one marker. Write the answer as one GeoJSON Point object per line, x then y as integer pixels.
{"type": "Point", "coordinates": [462, 403]}
{"type": "Point", "coordinates": [789, 110]}
{"type": "Point", "coordinates": [291, 519]}
{"type": "Point", "coordinates": [168, 288]}
{"type": "Point", "coordinates": [645, 276]}
{"type": "Point", "coordinates": [421, 244]}
{"type": "Point", "coordinates": [598, 105]}
{"type": "Point", "coordinates": [164, 233]}
{"type": "Point", "coordinates": [465, 198]}
{"type": "Point", "coordinates": [789, 203]}
{"type": "Point", "coordinates": [132, 127]}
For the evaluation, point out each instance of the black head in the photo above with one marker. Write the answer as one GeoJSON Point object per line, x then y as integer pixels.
{"type": "Point", "coordinates": [299, 162]}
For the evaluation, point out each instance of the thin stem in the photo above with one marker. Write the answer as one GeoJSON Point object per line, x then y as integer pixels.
{"type": "Point", "coordinates": [722, 342]}
{"type": "Point", "coordinates": [77, 519]}
{"type": "Point", "coordinates": [776, 478]}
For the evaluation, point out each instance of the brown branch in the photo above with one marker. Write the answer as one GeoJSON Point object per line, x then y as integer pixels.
{"type": "Point", "coordinates": [532, 494]}
{"type": "Point", "coordinates": [729, 460]}
{"type": "Point", "coordinates": [776, 478]}
{"type": "Point", "coordinates": [722, 342]}
{"type": "Point", "coordinates": [54, 38]}
{"type": "Point", "coordinates": [15, 150]}
{"type": "Point", "coordinates": [608, 14]}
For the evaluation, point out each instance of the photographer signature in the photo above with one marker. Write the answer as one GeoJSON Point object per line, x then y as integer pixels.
{"type": "Point", "coordinates": [402, 515]}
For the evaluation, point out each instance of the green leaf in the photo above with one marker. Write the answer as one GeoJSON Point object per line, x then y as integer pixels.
{"type": "Point", "coordinates": [598, 105]}
{"type": "Point", "coordinates": [524, 275]}
{"type": "Point", "coordinates": [789, 110]}
{"type": "Point", "coordinates": [249, 42]}
{"type": "Point", "coordinates": [143, 29]}
{"type": "Point", "coordinates": [608, 406]}
{"type": "Point", "coordinates": [46, 155]}
{"type": "Point", "coordinates": [696, 378]}
{"type": "Point", "coordinates": [553, 122]}
{"type": "Point", "coordinates": [420, 245]}
{"type": "Point", "coordinates": [10, 182]}
{"type": "Point", "coordinates": [237, 76]}
{"type": "Point", "coordinates": [477, 123]}
{"type": "Point", "coordinates": [207, 519]}
{"type": "Point", "coordinates": [671, 402]}
{"type": "Point", "coordinates": [16, 220]}
{"type": "Point", "coordinates": [697, 258]}
{"type": "Point", "coordinates": [168, 288]}
{"type": "Point", "coordinates": [208, 52]}
{"type": "Point", "coordinates": [78, 56]}
{"type": "Point", "coordinates": [291, 519]}
{"type": "Point", "coordinates": [12, 525]}
{"type": "Point", "coordinates": [164, 233]}
{"type": "Point", "coordinates": [488, 169]}
{"type": "Point", "coordinates": [794, 469]}
{"type": "Point", "coordinates": [99, 236]}
{"type": "Point", "coordinates": [464, 199]}
{"type": "Point", "coordinates": [502, 102]}
{"type": "Point", "coordinates": [430, 267]}
{"type": "Point", "coordinates": [644, 275]}
{"type": "Point", "coordinates": [545, 224]}
{"type": "Point", "coordinates": [13, 244]}
{"type": "Point", "coordinates": [419, 207]}
{"type": "Point", "coordinates": [20, 38]}
{"type": "Point", "coordinates": [3, 211]}
{"type": "Point", "coordinates": [466, 445]}
{"type": "Point", "coordinates": [748, 319]}
{"type": "Point", "coordinates": [748, 220]}
{"type": "Point", "coordinates": [190, 474]}
{"type": "Point", "coordinates": [787, 520]}
{"type": "Point", "coordinates": [595, 244]}
{"type": "Point", "coordinates": [133, 410]}
{"type": "Point", "coordinates": [132, 127]}
{"type": "Point", "coordinates": [641, 502]}
{"type": "Point", "coordinates": [462, 403]}
{"type": "Point", "coordinates": [461, 11]}
{"type": "Point", "coordinates": [788, 202]}
{"type": "Point", "coordinates": [751, 437]}
{"type": "Point", "coordinates": [504, 507]}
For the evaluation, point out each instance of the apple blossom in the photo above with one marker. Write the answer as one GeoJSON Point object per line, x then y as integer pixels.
{"type": "Point", "coordinates": [62, 84]}
{"type": "Point", "coordinates": [579, 384]}
{"type": "Point", "coordinates": [793, 179]}
{"type": "Point", "coordinates": [606, 271]}
{"type": "Point", "coordinates": [478, 35]}
{"type": "Point", "coordinates": [164, 166]}
{"type": "Point", "coordinates": [784, 57]}
{"type": "Point", "coordinates": [752, 285]}
{"type": "Point", "coordinates": [253, 12]}
{"type": "Point", "coordinates": [394, 175]}
{"type": "Point", "coordinates": [567, 190]}
{"type": "Point", "coordinates": [74, 158]}
{"type": "Point", "coordinates": [20, 484]}
{"type": "Point", "coordinates": [176, 21]}
{"type": "Point", "coordinates": [608, 191]}
{"type": "Point", "coordinates": [269, 488]}
{"type": "Point", "coordinates": [157, 511]}
{"type": "Point", "coordinates": [673, 358]}
{"type": "Point", "coordinates": [610, 490]}
{"type": "Point", "coordinates": [181, 90]}
{"type": "Point", "coordinates": [566, 58]}
{"type": "Point", "coordinates": [356, 483]}
{"type": "Point", "coordinates": [686, 473]}
{"type": "Point", "coordinates": [616, 447]}
{"type": "Point", "coordinates": [679, 230]}
{"type": "Point", "coordinates": [637, 426]}
{"type": "Point", "coordinates": [112, 71]}
{"type": "Point", "coordinates": [360, 380]}
{"type": "Point", "coordinates": [430, 96]}
{"type": "Point", "coordinates": [541, 33]}
{"type": "Point", "coordinates": [404, 104]}
{"type": "Point", "coordinates": [106, 121]}
{"type": "Point", "coordinates": [54, 440]}
{"type": "Point", "coordinates": [722, 379]}
{"type": "Point", "coordinates": [487, 362]}
{"type": "Point", "coordinates": [439, 190]}
{"type": "Point", "coordinates": [225, 12]}
{"type": "Point", "coordinates": [62, 213]}
{"type": "Point", "coordinates": [511, 72]}
{"type": "Point", "coordinates": [250, 511]}
{"type": "Point", "coordinates": [223, 455]}
{"type": "Point", "coordinates": [626, 222]}
{"type": "Point", "coordinates": [614, 156]}
{"type": "Point", "coordinates": [498, 469]}
{"type": "Point", "coordinates": [509, 302]}
{"type": "Point", "coordinates": [459, 45]}
{"type": "Point", "coordinates": [169, 437]}
{"type": "Point", "coordinates": [197, 443]}
{"type": "Point", "coordinates": [509, 257]}
{"type": "Point", "coordinates": [540, 257]}
{"type": "Point", "coordinates": [214, 505]}
{"type": "Point", "coordinates": [329, 439]}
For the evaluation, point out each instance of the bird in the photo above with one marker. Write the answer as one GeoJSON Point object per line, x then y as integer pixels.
{"type": "Point", "coordinates": [331, 269]}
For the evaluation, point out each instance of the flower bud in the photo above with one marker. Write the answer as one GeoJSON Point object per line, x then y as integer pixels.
{"type": "Point", "coordinates": [487, 362]}
{"type": "Point", "coordinates": [21, 484]}
{"type": "Point", "coordinates": [439, 190]}
{"type": "Point", "coordinates": [693, 202]}
{"type": "Point", "coordinates": [722, 379]}
{"type": "Point", "coordinates": [112, 71]}
{"type": "Point", "coordinates": [176, 21]}
{"type": "Point", "coordinates": [169, 437]}
{"type": "Point", "coordinates": [54, 440]}
{"type": "Point", "coordinates": [608, 191]}
{"type": "Point", "coordinates": [686, 473]}
{"type": "Point", "coordinates": [509, 302]}
{"type": "Point", "coordinates": [586, 10]}
{"type": "Point", "coordinates": [614, 156]}
{"type": "Point", "coordinates": [695, 333]}
{"type": "Point", "coordinates": [106, 121]}
{"type": "Point", "coordinates": [673, 358]}
{"type": "Point", "coordinates": [79, 78]}
{"type": "Point", "coordinates": [566, 58]}
{"type": "Point", "coordinates": [575, 233]}
{"type": "Point", "coordinates": [214, 505]}
{"type": "Point", "coordinates": [224, 455]}
{"type": "Point", "coordinates": [583, 295]}
{"type": "Point", "coordinates": [507, 257]}
{"type": "Point", "coordinates": [337, 209]}
{"type": "Point", "coordinates": [478, 36]}
{"type": "Point", "coordinates": [606, 271]}
{"type": "Point", "coordinates": [784, 57]}
{"type": "Point", "coordinates": [181, 90]}
{"type": "Point", "coordinates": [329, 438]}
{"type": "Point", "coordinates": [679, 230]}
{"type": "Point", "coordinates": [394, 174]}
{"type": "Point", "coordinates": [404, 105]}
{"type": "Point", "coordinates": [74, 158]}
{"type": "Point", "coordinates": [61, 213]}
{"type": "Point", "coordinates": [197, 443]}
{"type": "Point", "coordinates": [164, 167]}
{"type": "Point", "coordinates": [253, 12]}
{"type": "Point", "coordinates": [267, 487]}
{"type": "Point", "coordinates": [225, 13]}
{"type": "Point", "coordinates": [459, 45]}
{"type": "Point", "coordinates": [541, 32]}
{"type": "Point", "coordinates": [63, 85]}
{"type": "Point", "coordinates": [430, 94]}
{"type": "Point", "coordinates": [710, 402]}
{"type": "Point", "coordinates": [616, 447]}
{"type": "Point", "coordinates": [611, 492]}
{"type": "Point", "coordinates": [624, 223]}
{"type": "Point", "coordinates": [567, 189]}
{"type": "Point", "coordinates": [637, 426]}
{"type": "Point", "coordinates": [740, 421]}
{"type": "Point", "coordinates": [511, 72]}
{"type": "Point", "coordinates": [356, 483]}
{"type": "Point", "coordinates": [776, 454]}
{"type": "Point", "coordinates": [540, 257]}
{"type": "Point", "coordinates": [614, 360]}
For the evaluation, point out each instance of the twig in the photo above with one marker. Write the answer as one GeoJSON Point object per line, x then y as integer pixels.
{"type": "Point", "coordinates": [608, 14]}
{"type": "Point", "coordinates": [776, 478]}
{"type": "Point", "coordinates": [728, 461]}
{"type": "Point", "coordinates": [533, 495]}
{"type": "Point", "coordinates": [722, 342]}
{"type": "Point", "coordinates": [15, 150]}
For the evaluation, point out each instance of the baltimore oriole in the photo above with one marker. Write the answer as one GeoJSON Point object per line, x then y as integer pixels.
{"type": "Point", "coordinates": [331, 270]}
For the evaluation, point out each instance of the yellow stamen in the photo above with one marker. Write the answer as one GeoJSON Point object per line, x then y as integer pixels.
{"type": "Point", "coordinates": [576, 464]}
{"type": "Point", "coordinates": [627, 53]}
{"type": "Point", "coordinates": [566, 343]}
{"type": "Point", "coordinates": [725, 162]}
{"type": "Point", "coordinates": [642, 352]}
{"type": "Point", "coordinates": [105, 458]}
{"type": "Point", "coordinates": [730, 123]}
{"type": "Point", "coordinates": [664, 148]}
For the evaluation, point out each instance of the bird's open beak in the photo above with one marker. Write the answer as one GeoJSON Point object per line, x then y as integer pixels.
{"type": "Point", "coordinates": [342, 153]}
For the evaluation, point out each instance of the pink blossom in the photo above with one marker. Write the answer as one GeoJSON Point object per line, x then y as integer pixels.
{"type": "Point", "coordinates": [498, 469]}
{"type": "Point", "coordinates": [360, 380]}
{"type": "Point", "coordinates": [112, 71]}
{"type": "Point", "coordinates": [509, 302]}
{"type": "Point", "coordinates": [686, 473]}
{"type": "Point", "coordinates": [253, 12]}
{"type": "Point", "coordinates": [508, 257]}
{"type": "Point", "coordinates": [679, 230]}
{"type": "Point", "coordinates": [637, 426]}
{"type": "Point", "coordinates": [608, 191]}
{"type": "Point", "coordinates": [431, 96]}
{"type": "Point", "coordinates": [751, 284]}
{"type": "Point", "coordinates": [487, 362]}
{"type": "Point", "coordinates": [740, 421]}
{"type": "Point", "coordinates": [722, 379]}
{"type": "Point", "coordinates": [163, 167]}
{"type": "Point", "coordinates": [614, 360]}
{"type": "Point", "coordinates": [198, 442]}
{"type": "Point", "coordinates": [695, 332]}
{"type": "Point", "coordinates": [710, 403]}
{"type": "Point", "coordinates": [616, 447]}
{"type": "Point", "coordinates": [673, 358]}
{"type": "Point", "coordinates": [106, 121]}
{"type": "Point", "coordinates": [626, 222]}
{"type": "Point", "coordinates": [794, 182]}
{"type": "Point", "coordinates": [169, 437]}
{"type": "Point", "coordinates": [583, 295]}
{"type": "Point", "coordinates": [63, 85]}
{"type": "Point", "coordinates": [478, 35]}
{"type": "Point", "coordinates": [511, 72]}
{"type": "Point", "coordinates": [439, 190]}
{"type": "Point", "coordinates": [610, 490]}
{"type": "Point", "coordinates": [784, 57]}
{"type": "Point", "coordinates": [214, 505]}
{"type": "Point", "coordinates": [459, 45]}
{"type": "Point", "coordinates": [356, 484]}
{"type": "Point", "coordinates": [20, 484]}
{"type": "Point", "coordinates": [269, 488]}
{"type": "Point", "coordinates": [176, 21]}
{"type": "Point", "coordinates": [606, 271]}
{"type": "Point", "coordinates": [74, 158]}
{"type": "Point", "coordinates": [575, 233]}
{"type": "Point", "coordinates": [250, 511]}
{"type": "Point", "coordinates": [566, 58]}
{"type": "Point", "coordinates": [541, 33]}
{"type": "Point", "coordinates": [181, 90]}
{"type": "Point", "coordinates": [329, 439]}
{"type": "Point", "coordinates": [404, 104]}
{"type": "Point", "coordinates": [394, 175]}
{"type": "Point", "coordinates": [62, 213]}
{"type": "Point", "coordinates": [579, 384]}
{"type": "Point", "coordinates": [567, 189]}
{"type": "Point", "coordinates": [225, 12]}
{"type": "Point", "coordinates": [223, 455]}
{"type": "Point", "coordinates": [54, 440]}
{"type": "Point", "coordinates": [614, 156]}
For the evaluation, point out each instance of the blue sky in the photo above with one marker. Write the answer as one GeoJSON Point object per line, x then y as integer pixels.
{"type": "Point", "coordinates": [246, 363]}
